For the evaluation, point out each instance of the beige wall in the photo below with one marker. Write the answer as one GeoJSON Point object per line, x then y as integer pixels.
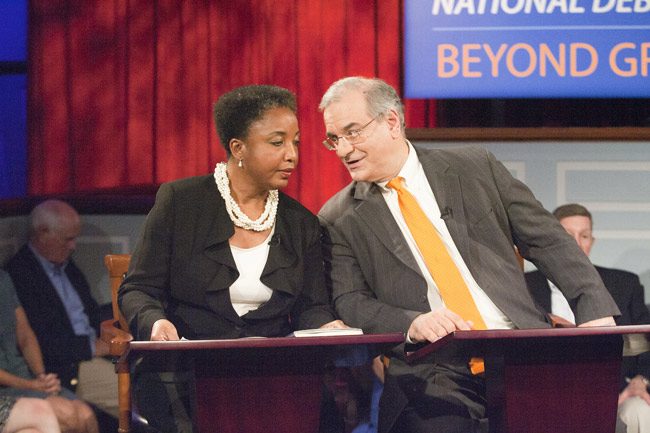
{"type": "Point", "coordinates": [100, 235]}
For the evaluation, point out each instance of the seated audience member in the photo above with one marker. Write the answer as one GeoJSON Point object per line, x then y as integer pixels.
{"type": "Point", "coordinates": [628, 293]}
{"type": "Point", "coordinates": [58, 303]}
{"type": "Point", "coordinates": [27, 415]}
{"type": "Point", "coordinates": [22, 372]}
{"type": "Point", "coordinates": [227, 255]}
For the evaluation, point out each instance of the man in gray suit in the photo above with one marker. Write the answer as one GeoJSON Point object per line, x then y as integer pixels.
{"type": "Point", "coordinates": [379, 277]}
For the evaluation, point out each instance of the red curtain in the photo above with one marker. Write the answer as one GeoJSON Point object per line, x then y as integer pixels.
{"type": "Point", "coordinates": [120, 91]}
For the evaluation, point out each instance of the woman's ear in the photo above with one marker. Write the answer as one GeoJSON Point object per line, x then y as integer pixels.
{"type": "Point", "coordinates": [237, 148]}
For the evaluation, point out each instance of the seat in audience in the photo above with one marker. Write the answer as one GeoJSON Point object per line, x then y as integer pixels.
{"type": "Point", "coordinates": [115, 332]}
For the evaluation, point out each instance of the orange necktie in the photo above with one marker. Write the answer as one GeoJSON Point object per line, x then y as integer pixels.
{"type": "Point", "coordinates": [445, 273]}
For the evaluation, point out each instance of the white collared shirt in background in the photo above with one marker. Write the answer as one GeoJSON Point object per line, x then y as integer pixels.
{"type": "Point", "coordinates": [559, 304]}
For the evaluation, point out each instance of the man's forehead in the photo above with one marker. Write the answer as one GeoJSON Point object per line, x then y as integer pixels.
{"type": "Point", "coordinates": [345, 112]}
{"type": "Point", "coordinates": [576, 222]}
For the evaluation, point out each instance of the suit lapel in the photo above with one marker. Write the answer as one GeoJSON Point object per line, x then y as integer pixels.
{"type": "Point", "coordinates": [218, 228]}
{"type": "Point", "coordinates": [281, 253]}
{"type": "Point", "coordinates": [49, 295]}
{"type": "Point", "coordinates": [449, 196]}
{"type": "Point", "coordinates": [374, 212]}
{"type": "Point", "coordinates": [277, 273]}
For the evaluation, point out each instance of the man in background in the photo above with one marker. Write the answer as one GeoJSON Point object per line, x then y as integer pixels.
{"type": "Point", "coordinates": [628, 293]}
{"type": "Point", "coordinates": [58, 303]}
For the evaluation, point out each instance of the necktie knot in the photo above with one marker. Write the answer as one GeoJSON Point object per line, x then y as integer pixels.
{"type": "Point", "coordinates": [396, 183]}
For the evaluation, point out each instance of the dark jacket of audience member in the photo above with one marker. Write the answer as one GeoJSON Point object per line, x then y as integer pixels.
{"type": "Point", "coordinates": [62, 349]}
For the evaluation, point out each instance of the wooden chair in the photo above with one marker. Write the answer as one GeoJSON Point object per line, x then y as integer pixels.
{"type": "Point", "coordinates": [520, 259]}
{"type": "Point", "coordinates": [115, 332]}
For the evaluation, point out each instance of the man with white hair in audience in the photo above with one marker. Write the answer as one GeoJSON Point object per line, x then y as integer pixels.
{"type": "Point", "coordinates": [57, 300]}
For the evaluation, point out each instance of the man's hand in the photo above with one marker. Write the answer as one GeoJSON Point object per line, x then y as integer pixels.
{"type": "Point", "coordinates": [335, 324]}
{"type": "Point", "coordinates": [604, 321]}
{"type": "Point", "coordinates": [434, 325]}
{"type": "Point", "coordinates": [638, 387]}
{"type": "Point", "coordinates": [164, 330]}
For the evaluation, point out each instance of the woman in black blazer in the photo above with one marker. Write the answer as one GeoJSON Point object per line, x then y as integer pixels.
{"type": "Point", "coordinates": [227, 255]}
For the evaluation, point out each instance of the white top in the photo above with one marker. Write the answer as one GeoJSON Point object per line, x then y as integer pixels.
{"type": "Point", "coordinates": [247, 293]}
{"type": "Point", "coordinates": [416, 182]}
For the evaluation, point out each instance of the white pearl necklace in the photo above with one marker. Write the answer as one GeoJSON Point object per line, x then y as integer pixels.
{"type": "Point", "coordinates": [237, 216]}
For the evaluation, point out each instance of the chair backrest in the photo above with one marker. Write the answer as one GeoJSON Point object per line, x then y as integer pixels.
{"type": "Point", "coordinates": [115, 333]}
{"type": "Point", "coordinates": [520, 259]}
{"type": "Point", "coordinates": [117, 265]}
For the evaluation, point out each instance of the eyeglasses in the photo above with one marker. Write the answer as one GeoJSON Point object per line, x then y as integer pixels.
{"type": "Point", "coordinates": [353, 136]}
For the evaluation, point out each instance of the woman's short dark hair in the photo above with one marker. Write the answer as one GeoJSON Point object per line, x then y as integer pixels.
{"type": "Point", "coordinates": [235, 111]}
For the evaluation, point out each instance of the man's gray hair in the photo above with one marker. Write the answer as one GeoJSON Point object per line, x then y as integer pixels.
{"type": "Point", "coordinates": [49, 215]}
{"type": "Point", "coordinates": [380, 96]}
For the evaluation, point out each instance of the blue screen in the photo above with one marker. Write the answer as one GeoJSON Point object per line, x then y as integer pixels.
{"type": "Point", "coordinates": [527, 48]}
{"type": "Point", "coordinates": [13, 109]}
{"type": "Point", "coordinates": [13, 135]}
{"type": "Point", "coordinates": [13, 30]}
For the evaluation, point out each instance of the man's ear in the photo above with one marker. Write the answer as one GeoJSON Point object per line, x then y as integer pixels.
{"type": "Point", "coordinates": [394, 124]}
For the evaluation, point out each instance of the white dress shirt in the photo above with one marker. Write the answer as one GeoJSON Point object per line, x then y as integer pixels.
{"type": "Point", "coordinates": [559, 304]}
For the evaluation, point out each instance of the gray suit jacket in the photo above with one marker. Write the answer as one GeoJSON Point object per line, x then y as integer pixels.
{"type": "Point", "coordinates": [374, 277]}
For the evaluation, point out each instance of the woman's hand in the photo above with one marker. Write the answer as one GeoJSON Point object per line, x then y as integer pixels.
{"type": "Point", "coordinates": [335, 324]}
{"type": "Point", "coordinates": [48, 383]}
{"type": "Point", "coordinates": [164, 330]}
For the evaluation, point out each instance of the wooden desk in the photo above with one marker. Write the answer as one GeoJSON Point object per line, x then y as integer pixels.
{"type": "Point", "coordinates": [546, 380]}
{"type": "Point", "coordinates": [257, 384]}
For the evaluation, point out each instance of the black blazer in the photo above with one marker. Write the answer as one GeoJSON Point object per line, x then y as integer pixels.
{"type": "Point", "coordinates": [182, 268]}
{"type": "Point", "coordinates": [625, 288]}
{"type": "Point", "coordinates": [62, 349]}
{"type": "Point", "coordinates": [628, 293]}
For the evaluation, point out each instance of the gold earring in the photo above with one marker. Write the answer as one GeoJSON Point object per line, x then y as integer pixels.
{"type": "Point", "coordinates": [240, 164]}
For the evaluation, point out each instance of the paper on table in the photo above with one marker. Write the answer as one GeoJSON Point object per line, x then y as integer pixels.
{"type": "Point", "coordinates": [326, 332]}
